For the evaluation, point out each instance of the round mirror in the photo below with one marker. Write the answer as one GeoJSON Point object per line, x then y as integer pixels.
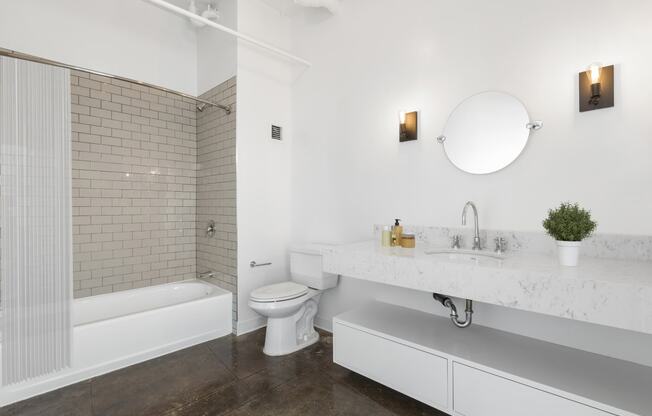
{"type": "Point", "coordinates": [486, 132]}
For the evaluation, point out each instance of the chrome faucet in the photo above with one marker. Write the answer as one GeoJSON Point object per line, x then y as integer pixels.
{"type": "Point", "coordinates": [476, 236]}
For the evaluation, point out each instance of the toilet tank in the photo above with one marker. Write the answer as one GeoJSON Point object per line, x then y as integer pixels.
{"type": "Point", "coordinates": [306, 266]}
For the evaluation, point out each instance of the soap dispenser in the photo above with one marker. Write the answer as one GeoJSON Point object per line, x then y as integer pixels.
{"type": "Point", "coordinates": [397, 230]}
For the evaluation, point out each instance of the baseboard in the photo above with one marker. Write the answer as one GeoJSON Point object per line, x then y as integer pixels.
{"type": "Point", "coordinates": [325, 324]}
{"type": "Point", "coordinates": [244, 327]}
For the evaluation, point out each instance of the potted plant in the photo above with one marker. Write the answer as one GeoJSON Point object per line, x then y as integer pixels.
{"type": "Point", "coordinates": [569, 225]}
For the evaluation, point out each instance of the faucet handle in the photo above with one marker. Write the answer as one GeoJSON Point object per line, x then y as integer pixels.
{"type": "Point", "coordinates": [501, 245]}
{"type": "Point", "coordinates": [456, 241]}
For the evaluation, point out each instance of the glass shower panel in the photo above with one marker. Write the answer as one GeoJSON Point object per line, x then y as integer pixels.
{"type": "Point", "coordinates": [35, 219]}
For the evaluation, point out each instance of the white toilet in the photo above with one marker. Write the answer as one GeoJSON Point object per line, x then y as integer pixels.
{"type": "Point", "coordinates": [291, 306]}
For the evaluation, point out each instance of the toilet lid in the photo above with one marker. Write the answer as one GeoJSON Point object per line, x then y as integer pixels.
{"type": "Point", "coordinates": [279, 291]}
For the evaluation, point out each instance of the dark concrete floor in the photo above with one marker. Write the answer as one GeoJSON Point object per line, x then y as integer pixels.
{"type": "Point", "coordinates": [229, 376]}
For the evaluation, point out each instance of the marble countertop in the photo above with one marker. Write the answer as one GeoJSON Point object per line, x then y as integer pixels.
{"type": "Point", "coordinates": [612, 292]}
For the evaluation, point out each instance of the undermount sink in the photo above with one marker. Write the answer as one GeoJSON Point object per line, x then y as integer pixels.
{"type": "Point", "coordinates": [467, 256]}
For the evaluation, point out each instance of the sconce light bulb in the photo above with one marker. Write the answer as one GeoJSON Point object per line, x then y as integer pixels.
{"type": "Point", "coordinates": [594, 72]}
{"type": "Point", "coordinates": [401, 117]}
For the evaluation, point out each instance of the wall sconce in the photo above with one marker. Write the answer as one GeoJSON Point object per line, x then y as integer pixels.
{"type": "Point", "coordinates": [408, 126]}
{"type": "Point", "coordinates": [596, 87]}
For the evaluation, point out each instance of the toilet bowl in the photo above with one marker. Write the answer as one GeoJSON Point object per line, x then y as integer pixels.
{"type": "Point", "coordinates": [291, 306]}
{"type": "Point", "coordinates": [290, 318]}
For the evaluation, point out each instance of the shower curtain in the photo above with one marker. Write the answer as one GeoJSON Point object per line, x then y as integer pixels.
{"type": "Point", "coordinates": [35, 219]}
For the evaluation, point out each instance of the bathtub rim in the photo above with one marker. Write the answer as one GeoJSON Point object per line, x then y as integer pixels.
{"type": "Point", "coordinates": [214, 286]}
{"type": "Point", "coordinates": [144, 288]}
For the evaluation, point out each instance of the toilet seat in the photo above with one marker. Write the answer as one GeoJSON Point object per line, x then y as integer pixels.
{"type": "Point", "coordinates": [278, 292]}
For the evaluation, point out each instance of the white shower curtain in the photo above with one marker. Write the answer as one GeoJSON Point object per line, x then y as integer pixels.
{"type": "Point", "coordinates": [35, 219]}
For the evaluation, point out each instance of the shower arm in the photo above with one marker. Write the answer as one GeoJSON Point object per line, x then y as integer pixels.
{"type": "Point", "coordinates": [32, 58]}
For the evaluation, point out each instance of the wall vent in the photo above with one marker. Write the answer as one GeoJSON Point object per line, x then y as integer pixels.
{"type": "Point", "coordinates": [276, 132]}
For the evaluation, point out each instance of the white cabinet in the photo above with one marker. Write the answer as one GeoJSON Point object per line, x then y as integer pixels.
{"type": "Point", "coordinates": [480, 371]}
{"type": "Point", "coordinates": [415, 373]}
{"type": "Point", "coordinates": [478, 393]}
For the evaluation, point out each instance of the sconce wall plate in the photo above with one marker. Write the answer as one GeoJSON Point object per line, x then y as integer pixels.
{"type": "Point", "coordinates": [408, 129]}
{"type": "Point", "coordinates": [605, 90]}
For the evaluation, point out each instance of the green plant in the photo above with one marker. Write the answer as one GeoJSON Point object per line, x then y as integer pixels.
{"type": "Point", "coordinates": [569, 222]}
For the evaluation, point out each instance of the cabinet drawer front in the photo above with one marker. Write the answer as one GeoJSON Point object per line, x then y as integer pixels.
{"type": "Point", "coordinates": [478, 393]}
{"type": "Point", "coordinates": [415, 373]}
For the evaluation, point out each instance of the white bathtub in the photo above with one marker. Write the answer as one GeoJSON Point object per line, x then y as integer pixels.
{"type": "Point", "coordinates": [120, 329]}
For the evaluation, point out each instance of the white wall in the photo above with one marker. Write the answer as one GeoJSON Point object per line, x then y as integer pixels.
{"type": "Point", "coordinates": [130, 38]}
{"type": "Point", "coordinates": [217, 51]}
{"type": "Point", "coordinates": [380, 56]}
{"type": "Point", "coordinates": [263, 164]}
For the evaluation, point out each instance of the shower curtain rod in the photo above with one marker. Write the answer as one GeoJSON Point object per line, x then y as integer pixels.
{"type": "Point", "coordinates": [26, 57]}
{"type": "Point", "coordinates": [254, 41]}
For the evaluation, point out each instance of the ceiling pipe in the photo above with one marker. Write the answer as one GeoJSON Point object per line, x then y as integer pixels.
{"type": "Point", "coordinates": [246, 38]}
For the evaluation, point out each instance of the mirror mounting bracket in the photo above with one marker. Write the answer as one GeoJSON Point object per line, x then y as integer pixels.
{"type": "Point", "coordinates": [534, 125]}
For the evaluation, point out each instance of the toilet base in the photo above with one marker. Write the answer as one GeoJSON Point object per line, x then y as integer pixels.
{"type": "Point", "coordinates": [289, 350]}
{"type": "Point", "coordinates": [292, 333]}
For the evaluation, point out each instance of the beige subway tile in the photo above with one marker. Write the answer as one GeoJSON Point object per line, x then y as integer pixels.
{"type": "Point", "coordinates": [101, 95]}
{"type": "Point", "coordinates": [127, 108]}
{"type": "Point", "coordinates": [113, 89]}
{"type": "Point", "coordinates": [120, 99]}
{"type": "Point", "coordinates": [120, 116]}
{"type": "Point", "coordinates": [112, 124]}
{"type": "Point", "coordinates": [110, 141]}
{"type": "Point", "coordinates": [101, 290]}
{"type": "Point", "coordinates": [111, 106]}
{"type": "Point", "coordinates": [131, 93]}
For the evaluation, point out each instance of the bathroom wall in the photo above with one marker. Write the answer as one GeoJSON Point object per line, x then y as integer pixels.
{"type": "Point", "coordinates": [216, 189]}
{"type": "Point", "coordinates": [433, 55]}
{"type": "Point", "coordinates": [217, 51]}
{"type": "Point", "coordinates": [263, 164]}
{"type": "Point", "coordinates": [378, 57]}
{"type": "Point", "coordinates": [131, 38]}
{"type": "Point", "coordinates": [134, 185]}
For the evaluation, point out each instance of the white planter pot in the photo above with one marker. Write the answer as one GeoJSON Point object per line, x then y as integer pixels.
{"type": "Point", "coordinates": [569, 252]}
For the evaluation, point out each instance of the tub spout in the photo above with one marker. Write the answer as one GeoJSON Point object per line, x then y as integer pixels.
{"type": "Point", "coordinates": [206, 275]}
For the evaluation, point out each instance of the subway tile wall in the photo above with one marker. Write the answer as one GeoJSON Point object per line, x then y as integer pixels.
{"type": "Point", "coordinates": [134, 185]}
{"type": "Point", "coordinates": [216, 189]}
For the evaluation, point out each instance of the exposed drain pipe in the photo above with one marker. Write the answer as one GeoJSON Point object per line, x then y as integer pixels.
{"type": "Point", "coordinates": [448, 303]}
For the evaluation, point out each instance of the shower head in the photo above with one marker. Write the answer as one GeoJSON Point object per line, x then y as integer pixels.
{"type": "Point", "coordinates": [201, 107]}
